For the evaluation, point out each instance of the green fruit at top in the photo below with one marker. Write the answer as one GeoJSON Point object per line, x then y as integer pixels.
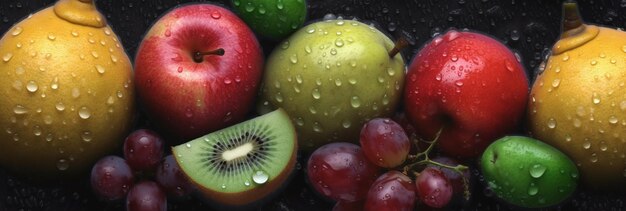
{"type": "Point", "coordinates": [528, 173]}
{"type": "Point", "coordinates": [331, 77]}
{"type": "Point", "coordinates": [274, 19]}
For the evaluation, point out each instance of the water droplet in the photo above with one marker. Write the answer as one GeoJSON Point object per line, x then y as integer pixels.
{"type": "Point", "coordinates": [307, 49]}
{"type": "Point", "coordinates": [339, 42]}
{"type": "Point", "coordinates": [52, 37]}
{"type": "Point", "coordinates": [84, 113]}
{"type": "Point", "coordinates": [94, 54]}
{"type": "Point", "coordinates": [249, 7]}
{"type": "Point", "coordinates": [355, 102]}
{"type": "Point", "coordinates": [533, 190]}
{"type": "Point", "coordinates": [120, 94]}
{"type": "Point", "coordinates": [31, 86]}
{"type": "Point", "coordinates": [63, 164]}
{"type": "Point", "coordinates": [613, 119]}
{"type": "Point", "coordinates": [352, 81]}
{"type": "Point", "coordinates": [86, 136]}
{"type": "Point", "coordinates": [100, 69]}
{"type": "Point", "coordinates": [19, 109]}
{"type": "Point", "coordinates": [7, 57]}
{"type": "Point", "coordinates": [75, 92]}
{"type": "Point", "coordinates": [216, 15]}
{"type": "Point", "coordinates": [114, 59]}
{"type": "Point", "coordinates": [293, 58]}
{"type": "Point", "coordinates": [310, 30]}
{"type": "Point", "coordinates": [586, 144]}
{"type": "Point", "coordinates": [594, 62]}
{"type": "Point", "coordinates": [260, 177]}
{"type": "Point", "coordinates": [279, 97]}
{"type": "Point", "coordinates": [595, 98]}
{"type": "Point", "coordinates": [565, 57]}
{"type": "Point", "coordinates": [316, 94]}
{"type": "Point", "coordinates": [551, 123]}
{"type": "Point", "coordinates": [346, 123]}
{"type": "Point", "coordinates": [537, 170]}
{"type": "Point", "coordinates": [556, 82]}
{"type": "Point", "coordinates": [60, 106]}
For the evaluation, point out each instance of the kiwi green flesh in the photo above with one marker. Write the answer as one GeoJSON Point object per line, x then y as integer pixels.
{"type": "Point", "coordinates": [227, 160]}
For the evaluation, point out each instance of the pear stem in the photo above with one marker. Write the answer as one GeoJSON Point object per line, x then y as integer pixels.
{"type": "Point", "coordinates": [571, 17]}
{"type": "Point", "coordinates": [400, 44]}
{"type": "Point", "coordinates": [198, 57]}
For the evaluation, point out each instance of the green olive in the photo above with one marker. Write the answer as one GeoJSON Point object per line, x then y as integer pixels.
{"type": "Point", "coordinates": [527, 172]}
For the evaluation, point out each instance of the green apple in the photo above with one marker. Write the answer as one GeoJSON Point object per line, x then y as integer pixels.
{"type": "Point", "coordinates": [274, 19]}
{"type": "Point", "coordinates": [528, 173]}
{"type": "Point", "coordinates": [331, 77]}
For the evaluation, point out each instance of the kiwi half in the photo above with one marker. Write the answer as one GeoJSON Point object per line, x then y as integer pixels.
{"type": "Point", "coordinates": [244, 163]}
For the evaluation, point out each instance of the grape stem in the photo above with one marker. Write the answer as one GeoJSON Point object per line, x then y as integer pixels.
{"type": "Point", "coordinates": [422, 159]}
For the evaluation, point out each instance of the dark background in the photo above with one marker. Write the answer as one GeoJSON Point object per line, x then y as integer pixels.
{"type": "Point", "coordinates": [529, 27]}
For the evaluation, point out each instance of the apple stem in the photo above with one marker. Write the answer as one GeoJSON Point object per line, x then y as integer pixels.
{"type": "Point", "coordinates": [571, 18]}
{"type": "Point", "coordinates": [198, 57]}
{"type": "Point", "coordinates": [400, 44]}
{"type": "Point", "coordinates": [415, 162]}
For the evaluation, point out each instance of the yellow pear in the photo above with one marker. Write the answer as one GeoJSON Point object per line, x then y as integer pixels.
{"type": "Point", "coordinates": [578, 103]}
{"type": "Point", "coordinates": [67, 92]}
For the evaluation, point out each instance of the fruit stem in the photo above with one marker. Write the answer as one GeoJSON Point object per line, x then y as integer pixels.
{"type": "Point", "coordinates": [198, 57]}
{"type": "Point", "coordinates": [572, 22]}
{"type": "Point", "coordinates": [426, 160]}
{"type": "Point", "coordinates": [400, 44]}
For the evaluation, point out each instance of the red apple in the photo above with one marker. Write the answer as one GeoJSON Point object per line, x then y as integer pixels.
{"type": "Point", "coordinates": [197, 70]}
{"type": "Point", "coordinates": [470, 85]}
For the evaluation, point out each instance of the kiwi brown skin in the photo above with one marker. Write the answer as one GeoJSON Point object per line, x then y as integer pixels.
{"type": "Point", "coordinates": [247, 200]}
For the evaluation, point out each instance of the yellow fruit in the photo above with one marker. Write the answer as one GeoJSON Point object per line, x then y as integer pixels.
{"type": "Point", "coordinates": [67, 93]}
{"type": "Point", "coordinates": [578, 103]}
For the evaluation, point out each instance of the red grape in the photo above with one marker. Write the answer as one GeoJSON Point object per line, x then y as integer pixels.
{"type": "Point", "coordinates": [384, 142]}
{"type": "Point", "coordinates": [111, 178]}
{"type": "Point", "coordinates": [146, 196]}
{"type": "Point", "coordinates": [143, 150]}
{"type": "Point", "coordinates": [456, 179]}
{"type": "Point", "coordinates": [391, 191]}
{"type": "Point", "coordinates": [348, 206]}
{"type": "Point", "coordinates": [341, 172]}
{"type": "Point", "coordinates": [172, 179]}
{"type": "Point", "coordinates": [433, 188]}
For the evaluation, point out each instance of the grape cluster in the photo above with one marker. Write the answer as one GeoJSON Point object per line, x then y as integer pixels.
{"type": "Point", "coordinates": [144, 178]}
{"type": "Point", "coordinates": [383, 173]}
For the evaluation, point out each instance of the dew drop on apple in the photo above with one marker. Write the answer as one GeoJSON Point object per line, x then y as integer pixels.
{"type": "Point", "coordinates": [84, 112]}
{"type": "Point", "coordinates": [339, 42]}
{"type": "Point", "coordinates": [352, 81]}
{"type": "Point", "coordinates": [299, 79]}
{"type": "Point", "coordinates": [17, 31]}
{"type": "Point", "coordinates": [346, 123]}
{"type": "Point", "coordinates": [556, 82]}
{"type": "Point", "coordinates": [94, 54]}
{"type": "Point", "coordinates": [586, 144]}
{"type": "Point", "coordinates": [100, 69]}
{"type": "Point", "coordinates": [260, 177]}
{"type": "Point", "coordinates": [63, 164]}
{"type": "Point", "coordinates": [262, 10]}
{"type": "Point", "coordinates": [19, 109]}
{"type": "Point", "coordinates": [317, 127]}
{"type": "Point", "coordinates": [51, 37]}
{"type": "Point", "coordinates": [216, 15]}
{"type": "Point", "coordinates": [307, 49]}
{"type": "Point", "coordinates": [613, 119]}
{"type": "Point", "coordinates": [279, 97]}
{"type": "Point", "coordinates": [86, 136]}
{"type": "Point", "coordinates": [299, 121]}
{"type": "Point", "coordinates": [337, 82]}
{"type": "Point", "coordinates": [333, 51]}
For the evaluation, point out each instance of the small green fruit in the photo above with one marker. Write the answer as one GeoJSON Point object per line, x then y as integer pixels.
{"type": "Point", "coordinates": [274, 19]}
{"type": "Point", "coordinates": [331, 77]}
{"type": "Point", "coordinates": [527, 172]}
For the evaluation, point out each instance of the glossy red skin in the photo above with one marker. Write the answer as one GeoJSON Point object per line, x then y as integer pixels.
{"type": "Point", "coordinates": [341, 171]}
{"type": "Point", "coordinates": [384, 142]}
{"type": "Point", "coordinates": [190, 99]}
{"type": "Point", "coordinates": [143, 150]}
{"type": "Point", "coordinates": [111, 178]}
{"type": "Point", "coordinates": [392, 191]}
{"type": "Point", "coordinates": [146, 196]}
{"type": "Point", "coordinates": [477, 98]}
{"type": "Point", "coordinates": [433, 188]}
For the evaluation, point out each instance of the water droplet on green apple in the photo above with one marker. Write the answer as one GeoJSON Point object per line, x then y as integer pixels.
{"type": "Point", "coordinates": [355, 102]}
{"type": "Point", "coordinates": [293, 58]}
{"type": "Point", "coordinates": [307, 49]}
{"type": "Point", "coordinates": [537, 170]}
{"type": "Point", "coordinates": [339, 42]}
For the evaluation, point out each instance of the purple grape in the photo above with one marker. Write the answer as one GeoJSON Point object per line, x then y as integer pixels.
{"type": "Point", "coordinates": [146, 196]}
{"type": "Point", "coordinates": [172, 179]}
{"type": "Point", "coordinates": [143, 150]}
{"type": "Point", "coordinates": [111, 178]}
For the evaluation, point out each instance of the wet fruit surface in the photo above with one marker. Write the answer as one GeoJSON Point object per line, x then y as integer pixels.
{"type": "Point", "coordinates": [529, 27]}
{"type": "Point", "coordinates": [578, 103]}
{"type": "Point", "coordinates": [67, 88]}
{"type": "Point", "coordinates": [528, 173]}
